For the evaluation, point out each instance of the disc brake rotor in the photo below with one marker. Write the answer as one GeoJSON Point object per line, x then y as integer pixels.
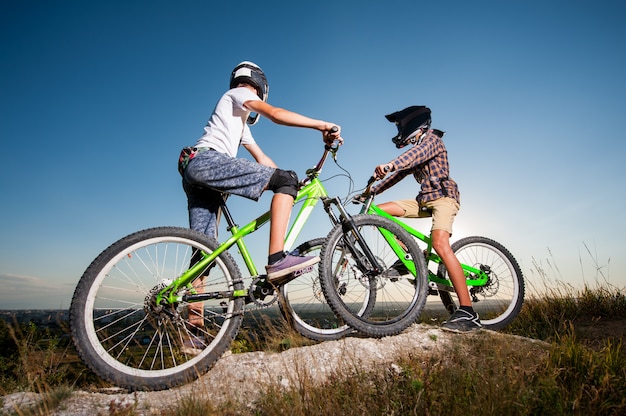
{"type": "Point", "coordinates": [493, 283]}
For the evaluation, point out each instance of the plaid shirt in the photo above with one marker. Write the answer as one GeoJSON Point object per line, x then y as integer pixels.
{"type": "Point", "coordinates": [428, 162]}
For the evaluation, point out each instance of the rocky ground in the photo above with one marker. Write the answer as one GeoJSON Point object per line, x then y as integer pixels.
{"type": "Point", "coordinates": [242, 376]}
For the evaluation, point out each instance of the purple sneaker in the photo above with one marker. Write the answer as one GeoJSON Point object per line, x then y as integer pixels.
{"type": "Point", "coordinates": [286, 269]}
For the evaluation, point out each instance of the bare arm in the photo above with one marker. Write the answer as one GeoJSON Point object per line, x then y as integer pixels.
{"type": "Point", "coordinates": [258, 155]}
{"type": "Point", "coordinates": [289, 118]}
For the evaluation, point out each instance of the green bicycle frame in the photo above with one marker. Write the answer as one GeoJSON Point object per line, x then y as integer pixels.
{"type": "Point", "coordinates": [475, 277]}
{"type": "Point", "coordinates": [310, 194]}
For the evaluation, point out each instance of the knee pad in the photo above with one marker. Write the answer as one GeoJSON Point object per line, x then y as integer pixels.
{"type": "Point", "coordinates": [284, 182]}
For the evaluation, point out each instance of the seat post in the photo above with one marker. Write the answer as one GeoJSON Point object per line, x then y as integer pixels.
{"type": "Point", "coordinates": [224, 210]}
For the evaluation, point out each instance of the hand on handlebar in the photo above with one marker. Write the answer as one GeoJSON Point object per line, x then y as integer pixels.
{"type": "Point", "coordinates": [382, 170]}
{"type": "Point", "coordinates": [379, 173]}
{"type": "Point", "coordinates": [332, 136]}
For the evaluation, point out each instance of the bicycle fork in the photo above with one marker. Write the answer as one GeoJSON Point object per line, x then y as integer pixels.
{"type": "Point", "coordinates": [350, 230]}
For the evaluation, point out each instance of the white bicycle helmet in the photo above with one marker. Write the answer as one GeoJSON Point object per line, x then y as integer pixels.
{"type": "Point", "coordinates": [252, 74]}
{"type": "Point", "coordinates": [409, 121]}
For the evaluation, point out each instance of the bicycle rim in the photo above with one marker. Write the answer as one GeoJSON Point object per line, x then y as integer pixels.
{"type": "Point", "coordinates": [303, 304]}
{"type": "Point", "coordinates": [126, 338]}
{"type": "Point", "coordinates": [500, 300]}
{"type": "Point", "coordinates": [380, 305]}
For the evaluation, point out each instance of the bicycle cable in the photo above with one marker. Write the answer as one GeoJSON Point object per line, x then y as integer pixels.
{"type": "Point", "coordinates": [351, 191]}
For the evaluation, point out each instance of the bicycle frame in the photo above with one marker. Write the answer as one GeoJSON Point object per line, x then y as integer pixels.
{"type": "Point", "coordinates": [310, 193]}
{"type": "Point", "coordinates": [474, 276]}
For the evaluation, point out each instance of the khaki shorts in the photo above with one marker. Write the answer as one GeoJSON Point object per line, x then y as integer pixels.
{"type": "Point", "coordinates": [443, 211]}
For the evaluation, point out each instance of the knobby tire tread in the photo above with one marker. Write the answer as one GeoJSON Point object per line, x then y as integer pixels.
{"type": "Point", "coordinates": [362, 324]}
{"type": "Point", "coordinates": [290, 314]}
{"type": "Point", "coordinates": [502, 321]}
{"type": "Point", "coordinates": [127, 379]}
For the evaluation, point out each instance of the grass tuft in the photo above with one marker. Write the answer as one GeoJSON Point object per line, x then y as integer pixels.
{"type": "Point", "coordinates": [566, 356]}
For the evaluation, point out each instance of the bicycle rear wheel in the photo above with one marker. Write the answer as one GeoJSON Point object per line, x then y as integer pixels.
{"type": "Point", "coordinates": [395, 299]}
{"type": "Point", "coordinates": [500, 300]}
{"type": "Point", "coordinates": [304, 306]}
{"type": "Point", "coordinates": [126, 338]}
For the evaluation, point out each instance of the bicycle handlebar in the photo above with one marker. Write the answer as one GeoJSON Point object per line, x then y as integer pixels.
{"type": "Point", "coordinates": [317, 169]}
{"type": "Point", "coordinates": [373, 179]}
{"type": "Point", "coordinates": [366, 196]}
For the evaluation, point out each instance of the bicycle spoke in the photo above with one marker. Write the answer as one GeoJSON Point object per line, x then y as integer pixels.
{"type": "Point", "coordinates": [126, 337]}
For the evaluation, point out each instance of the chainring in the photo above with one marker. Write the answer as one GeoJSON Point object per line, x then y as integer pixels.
{"type": "Point", "coordinates": [259, 291]}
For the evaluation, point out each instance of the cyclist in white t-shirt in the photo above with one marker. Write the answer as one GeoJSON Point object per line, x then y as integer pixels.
{"type": "Point", "coordinates": [212, 166]}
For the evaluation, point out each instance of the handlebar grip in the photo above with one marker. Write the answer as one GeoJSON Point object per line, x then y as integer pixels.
{"type": "Point", "coordinates": [333, 129]}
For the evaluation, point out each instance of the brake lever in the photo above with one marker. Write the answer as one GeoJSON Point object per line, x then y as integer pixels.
{"type": "Point", "coordinates": [333, 148]}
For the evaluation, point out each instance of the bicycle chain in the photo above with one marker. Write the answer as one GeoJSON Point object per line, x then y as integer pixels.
{"type": "Point", "coordinates": [251, 299]}
{"type": "Point", "coordinates": [255, 302]}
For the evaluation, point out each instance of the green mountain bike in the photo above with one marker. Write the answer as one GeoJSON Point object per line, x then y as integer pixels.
{"type": "Point", "coordinates": [132, 311]}
{"type": "Point", "coordinates": [494, 279]}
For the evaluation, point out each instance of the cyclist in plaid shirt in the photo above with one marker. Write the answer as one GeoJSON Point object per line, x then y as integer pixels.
{"type": "Point", "coordinates": [439, 197]}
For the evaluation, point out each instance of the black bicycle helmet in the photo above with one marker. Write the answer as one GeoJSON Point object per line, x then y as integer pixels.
{"type": "Point", "coordinates": [252, 74]}
{"type": "Point", "coordinates": [408, 122]}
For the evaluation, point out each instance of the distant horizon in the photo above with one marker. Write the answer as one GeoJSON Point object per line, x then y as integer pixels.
{"type": "Point", "coordinates": [98, 98]}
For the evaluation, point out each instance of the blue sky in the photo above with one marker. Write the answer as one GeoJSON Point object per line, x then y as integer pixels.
{"type": "Point", "coordinates": [98, 97]}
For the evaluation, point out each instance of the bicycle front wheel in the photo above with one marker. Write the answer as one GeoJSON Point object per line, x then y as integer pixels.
{"type": "Point", "coordinates": [304, 306]}
{"type": "Point", "coordinates": [379, 302]}
{"type": "Point", "coordinates": [128, 339]}
{"type": "Point", "coordinates": [500, 300]}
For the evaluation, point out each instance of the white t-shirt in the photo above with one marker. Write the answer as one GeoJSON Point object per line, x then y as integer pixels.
{"type": "Point", "coordinates": [226, 130]}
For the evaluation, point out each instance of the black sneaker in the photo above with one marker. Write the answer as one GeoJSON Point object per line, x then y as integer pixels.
{"type": "Point", "coordinates": [462, 321]}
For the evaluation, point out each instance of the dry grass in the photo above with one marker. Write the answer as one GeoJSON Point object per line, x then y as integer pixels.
{"type": "Point", "coordinates": [566, 356]}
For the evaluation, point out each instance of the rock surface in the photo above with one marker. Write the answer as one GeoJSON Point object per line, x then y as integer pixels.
{"type": "Point", "coordinates": [241, 376]}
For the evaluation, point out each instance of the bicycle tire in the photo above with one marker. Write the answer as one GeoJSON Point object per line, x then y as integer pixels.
{"type": "Point", "coordinates": [124, 338]}
{"type": "Point", "coordinates": [500, 300]}
{"type": "Point", "coordinates": [303, 305]}
{"type": "Point", "coordinates": [396, 301]}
